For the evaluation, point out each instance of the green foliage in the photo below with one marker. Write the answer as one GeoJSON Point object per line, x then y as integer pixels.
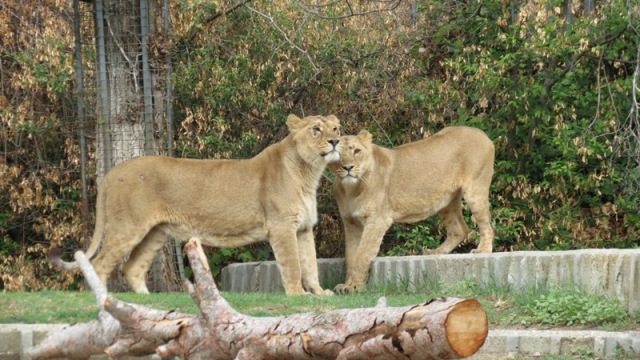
{"type": "Point", "coordinates": [39, 158]}
{"type": "Point", "coordinates": [413, 241]}
{"type": "Point", "coordinates": [222, 257]}
{"type": "Point", "coordinates": [532, 81]}
{"type": "Point", "coordinates": [559, 307]}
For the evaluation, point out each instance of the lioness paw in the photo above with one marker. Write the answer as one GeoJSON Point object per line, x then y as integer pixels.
{"type": "Point", "coordinates": [438, 251]}
{"type": "Point", "coordinates": [327, 292]}
{"type": "Point", "coordinates": [295, 292]}
{"type": "Point", "coordinates": [320, 292]}
{"type": "Point", "coordinates": [481, 251]}
{"type": "Point", "coordinates": [426, 251]}
{"type": "Point", "coordinates": [346, 288]}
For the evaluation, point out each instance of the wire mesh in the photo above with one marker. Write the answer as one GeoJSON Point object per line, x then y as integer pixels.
{"type": "Point", "coordinates": [121, 104]}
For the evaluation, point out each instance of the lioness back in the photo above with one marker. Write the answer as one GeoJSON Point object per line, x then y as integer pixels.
{"type": "Point", "coordinates": [187, 192]}
{"type": "Point", "coordinates": [441, 163]}
{"type": "Point", "coordinates": [376, 187]}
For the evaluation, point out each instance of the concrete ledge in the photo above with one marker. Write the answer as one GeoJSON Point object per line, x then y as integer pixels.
{"type": "Point", "coordinates": [500, 344]}
{"type": "Point", "coordinates": [16, 338]}
{"type": "Point", "coordinates": [611, 272]}
{"type": "Point", "coordinates": [537, 343]}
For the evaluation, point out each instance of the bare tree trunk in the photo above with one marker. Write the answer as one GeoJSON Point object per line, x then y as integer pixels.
{"type": "Point", "coordinates": [128, 108]}
{"type": "Point", "coordinates": [446, 328]}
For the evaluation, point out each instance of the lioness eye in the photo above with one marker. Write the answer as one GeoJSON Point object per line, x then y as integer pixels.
{"type": "Point", "coordinates": [356, 151]}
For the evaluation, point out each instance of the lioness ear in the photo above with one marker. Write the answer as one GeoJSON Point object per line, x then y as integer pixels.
{"type": "Point", "coordinates": [364, 136]}
{"type": "Point", "coordinates": [294, 123]}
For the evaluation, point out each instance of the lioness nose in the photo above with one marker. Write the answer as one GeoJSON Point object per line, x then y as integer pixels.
{"type": "Point", "coordinates": [348, 167]}
{"type": "Point", "coordinates": [334, 141]}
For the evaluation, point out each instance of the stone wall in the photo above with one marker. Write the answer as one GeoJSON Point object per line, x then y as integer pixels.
{"type": "Point", "coordinates": [612, 272]}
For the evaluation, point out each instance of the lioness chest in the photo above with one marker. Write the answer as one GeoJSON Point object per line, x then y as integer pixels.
{"type": "Point", "coordinates": [357, 208]}
{"type": "Point", "coordinates": [308, 213]}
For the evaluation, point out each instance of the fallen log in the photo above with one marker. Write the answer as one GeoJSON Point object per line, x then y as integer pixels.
{"type": "Point", "coordinates": [444, 328]}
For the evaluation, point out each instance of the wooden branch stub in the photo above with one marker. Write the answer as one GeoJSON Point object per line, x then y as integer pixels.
{"type": "Point", "coordinates": [80, 341]}
{"type": "Point", "coordinates": [143, 329]}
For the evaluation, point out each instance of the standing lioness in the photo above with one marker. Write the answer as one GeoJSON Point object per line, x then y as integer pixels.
{"type": "Point", "coordinates": [226, 203]}
{"type": "Point", "coordinates": [376, 187]}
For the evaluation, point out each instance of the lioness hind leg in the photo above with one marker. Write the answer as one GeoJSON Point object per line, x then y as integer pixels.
{"type": "Point", "coordinates": [477, 197]}
{"type": "Point", "coordinates": [104, 263]}
{"type": "Point", "coordinates": [135, 269]}
{"type": "Point", "coordinates": [457, 229]}
{"type": "Point", "coordinates": [118, 242]}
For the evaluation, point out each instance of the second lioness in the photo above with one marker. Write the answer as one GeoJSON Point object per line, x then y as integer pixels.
{"type": "Point", "coordinates": [376, 187]}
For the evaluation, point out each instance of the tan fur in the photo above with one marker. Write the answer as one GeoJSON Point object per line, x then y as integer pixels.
{"type": "Point", "coordinates": [376, 187]}
{"type": "Point", "coordinates": [144, 202]}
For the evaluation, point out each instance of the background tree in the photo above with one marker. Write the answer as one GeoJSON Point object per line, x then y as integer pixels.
{"type": "Point", "coordinates": [131, 98]}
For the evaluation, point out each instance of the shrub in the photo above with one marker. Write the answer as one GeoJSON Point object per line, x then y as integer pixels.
{"type": "Point", "coordinates": [559, 307]}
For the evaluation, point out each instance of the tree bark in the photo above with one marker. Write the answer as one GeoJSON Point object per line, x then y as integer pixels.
{"type": "Point", "coordinates": [131, 107]}
{"type": "Point", "coordinates": [445, 328]}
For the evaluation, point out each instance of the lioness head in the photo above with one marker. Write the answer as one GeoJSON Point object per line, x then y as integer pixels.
{"type": "Point", "coordinates": [317, 137]}
{"type": "Point", "coordinates": [355, 158]}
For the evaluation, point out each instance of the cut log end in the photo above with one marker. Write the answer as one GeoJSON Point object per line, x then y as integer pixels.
{"type": "Point", "coordinates": [467, 327]}
{"type": "Point", "coordinates": [55, 259]}
{"type": "Point", "coordinates": [55, 253]}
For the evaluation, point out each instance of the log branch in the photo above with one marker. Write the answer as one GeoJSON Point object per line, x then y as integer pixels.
{"type": "Point", "coordinates": [81, 340]}
{"type": "Point", "coordinates": [445, 328]}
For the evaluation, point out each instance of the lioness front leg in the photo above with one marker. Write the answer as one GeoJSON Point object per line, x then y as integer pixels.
{"type": "Point", "coordinates": [309, 263]}
{"type": "Point", "coordinates": [352, 236]}
{"type": "Point", "coordinates": [368, 247]}
{"type": "Point", "coordinates": [284, 243]}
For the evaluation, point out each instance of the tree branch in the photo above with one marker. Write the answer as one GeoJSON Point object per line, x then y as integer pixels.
{"type": "Point", "coordinates": [309, 9]}
{"type": "Point", "coordinates": [193, 32]}
{"type": "Point", "coordinates": [550, 82]}
{"type": "Point", "coordinates": [287, 39]}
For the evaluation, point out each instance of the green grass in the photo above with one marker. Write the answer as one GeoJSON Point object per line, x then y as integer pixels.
{"type": "Point", "coordinates": [504, 307]}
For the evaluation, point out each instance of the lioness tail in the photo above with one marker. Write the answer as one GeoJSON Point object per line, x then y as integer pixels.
{"type": "Point", "coordinates": [55, 255]}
